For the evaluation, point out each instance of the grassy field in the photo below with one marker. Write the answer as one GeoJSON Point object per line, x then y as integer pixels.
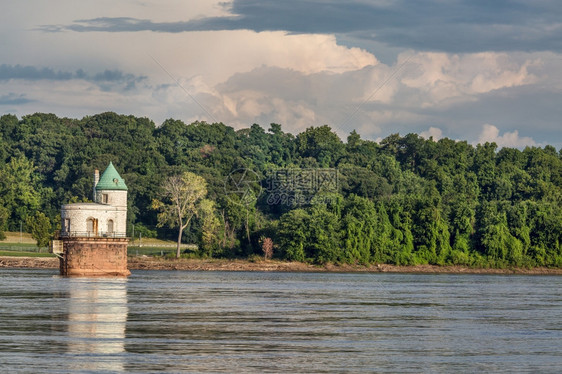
{"type": "Point", "coordinates": [155, 243]}
{"type": "Point", "coordinates": [24, 245]}
{"type": "Point", "coordinates": [14, 237]}
{"type": "Point", "coordinates": [25, 254]}
{"type": "Point", "coordinates": [158, 249]}
{"type": "Point", "coordinates": [155, 247]}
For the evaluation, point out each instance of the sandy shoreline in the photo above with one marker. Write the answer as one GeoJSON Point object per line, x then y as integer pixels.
{"type": "Point", "coordinates": [152, 263]}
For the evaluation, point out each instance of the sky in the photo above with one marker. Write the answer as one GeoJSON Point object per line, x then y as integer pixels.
{"type": "Point", "coordinates": [469, 70]}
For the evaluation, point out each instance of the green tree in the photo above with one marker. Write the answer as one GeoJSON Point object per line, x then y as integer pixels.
{"type": "Point", "coordinates": [3, 219]}
{"type": "Point", "coordinates": [180, 200]}
{"type": "Point", "coordinates": [359, 228]}
{"type": "Point", "coordinates": [210, 228]}
{"type": "Point", "coordinates": [293, 234]}
{"type": "Point", "coordinates": [18, 192]}
{"type": "Point", "coordinates": [320, 143]}
{"type": "Point", "coordinates": [353, 140]}
{"type": "Point", "coordinates": [40, 228]}
{"type": "Point", "coordinates": [406, 201]}
{"type": "Point", "coordinates": [281, 146]}
{"type": "Point", "coordinates": [323, 244]}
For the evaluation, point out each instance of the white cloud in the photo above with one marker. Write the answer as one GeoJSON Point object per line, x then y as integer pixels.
{"type": "Point", "coordinates": [444, 78]}
{"type": "Point", "coordinates": [512, 139]}
{"type": "Point", "coordinates": [433, 132]}
{"type": "Point", "coordinates": [297, 80]}
{"type": "Point", "coordinates": [369, 98]}
{"type": "Point", "coordinates": [217, 56]}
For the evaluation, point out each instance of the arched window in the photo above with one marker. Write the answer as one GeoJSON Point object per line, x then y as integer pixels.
{"type": "Point", "coordinates": [92, 226]}
{"type": "Point", "coordinates": [110, 226]}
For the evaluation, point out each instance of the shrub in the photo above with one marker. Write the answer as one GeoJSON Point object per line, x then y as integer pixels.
{"type": "Point", "coordinates": [458, 257]}
{"type": "Point", "coordinates": [144, 231]}
{"type": "Point", "coordinates": [267, 247]}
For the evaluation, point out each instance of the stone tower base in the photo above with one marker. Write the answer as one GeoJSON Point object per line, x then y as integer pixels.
{"type": "Point", "coordinates": [94, 257]}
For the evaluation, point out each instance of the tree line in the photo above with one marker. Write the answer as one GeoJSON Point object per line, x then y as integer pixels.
{"type": "Point", "coordinates": [308, 197]}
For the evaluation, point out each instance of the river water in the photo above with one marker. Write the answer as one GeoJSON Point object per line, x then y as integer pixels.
{"type": "Point", "coordinates": [162, 321]}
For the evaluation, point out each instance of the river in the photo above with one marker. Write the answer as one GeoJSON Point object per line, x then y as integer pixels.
{"type": "Point", "coordinates": [235, 322]}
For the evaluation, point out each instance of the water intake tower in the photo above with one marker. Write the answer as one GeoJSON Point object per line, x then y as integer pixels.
{"type": "Point", "coordinates": [93, 239]}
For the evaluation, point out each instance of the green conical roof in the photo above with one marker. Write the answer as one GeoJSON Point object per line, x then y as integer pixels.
{"type": "Point", "coordinates": [111, 180]}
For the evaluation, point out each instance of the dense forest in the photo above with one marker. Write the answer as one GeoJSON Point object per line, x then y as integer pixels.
{"type": "Point", "coordinates": [313, 197]}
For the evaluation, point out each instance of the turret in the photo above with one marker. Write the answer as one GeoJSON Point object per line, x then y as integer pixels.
{"type": "Point", "coordinates": [111, 188]}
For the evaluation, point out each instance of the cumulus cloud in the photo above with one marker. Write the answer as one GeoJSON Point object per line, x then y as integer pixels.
{"type": "Point", "coordinates": [298, 63]}
{"type": "Point", "coordinates": [433, 132]}
{"type": "Point", "coordinates": [512, 139]}
{"type": "Point", "coordinates": [365, 98]}
{"type": "Point", "coordinates": [446, 78]}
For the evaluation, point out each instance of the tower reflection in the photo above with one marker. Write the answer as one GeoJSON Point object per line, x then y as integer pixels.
{"type": "Point", "coordinates": [97, 317]}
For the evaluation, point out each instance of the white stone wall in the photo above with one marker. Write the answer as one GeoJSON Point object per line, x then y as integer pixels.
{"type": "Point", "coordinates": [79, 213]}
{"type": "Point", "coordinates": [116, 198]}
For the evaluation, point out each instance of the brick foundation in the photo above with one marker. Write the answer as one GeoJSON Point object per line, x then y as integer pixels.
{"type": "Point", "coordinates": [94, 257]}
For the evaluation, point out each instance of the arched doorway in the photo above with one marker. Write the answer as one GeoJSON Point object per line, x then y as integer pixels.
{"type": "Point", "coordinates": [92, 226]}
{"type": "Point", "coordinates": [110, 227]}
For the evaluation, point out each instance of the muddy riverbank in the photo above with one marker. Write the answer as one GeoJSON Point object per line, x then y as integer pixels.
{"type": "Point", "coordinates": [155, 263]}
